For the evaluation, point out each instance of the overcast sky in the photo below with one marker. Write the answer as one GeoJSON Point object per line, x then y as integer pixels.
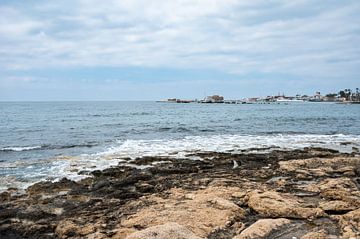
{"type": "Point", "coordinates": [148, 50]}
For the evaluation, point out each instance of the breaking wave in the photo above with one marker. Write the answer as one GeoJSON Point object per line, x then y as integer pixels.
{"type": "Point", "coordinates": [20, 148]}
{"type": "Point", "coordinates": [230, 143]}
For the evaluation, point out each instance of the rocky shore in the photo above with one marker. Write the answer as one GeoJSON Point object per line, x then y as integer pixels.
{"type": "Point", "coordinates": [310, 193]}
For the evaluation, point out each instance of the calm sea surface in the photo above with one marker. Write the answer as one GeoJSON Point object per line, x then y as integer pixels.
{"type": "Point", "coordinates": [50, 140]}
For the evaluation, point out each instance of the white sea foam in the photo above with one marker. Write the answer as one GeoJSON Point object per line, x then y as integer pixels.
{"type": "Point", "coordinates": [228, 143]}
{"type": "Point", "coordinates": [55, 169]}
{"type": "Point", "coordinates": [18, 148]}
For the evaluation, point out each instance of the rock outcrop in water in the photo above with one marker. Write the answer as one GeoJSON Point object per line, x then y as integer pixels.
{"type": "Point", "coordinates": [310, 193]}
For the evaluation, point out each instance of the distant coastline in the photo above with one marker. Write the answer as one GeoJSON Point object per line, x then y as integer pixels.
{"type": "Point", "coordinates": [346, 96]}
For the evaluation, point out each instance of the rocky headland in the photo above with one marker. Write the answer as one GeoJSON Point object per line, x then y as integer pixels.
{"type": "Point", "coordinates": [310, 193]}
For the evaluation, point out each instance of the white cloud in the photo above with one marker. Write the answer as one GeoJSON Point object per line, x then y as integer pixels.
{"type": "Point", "coordinates": [301, 37]}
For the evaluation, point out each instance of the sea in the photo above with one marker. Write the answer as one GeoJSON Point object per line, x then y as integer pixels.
{"type": "Point", "coordinates": [51, 140]}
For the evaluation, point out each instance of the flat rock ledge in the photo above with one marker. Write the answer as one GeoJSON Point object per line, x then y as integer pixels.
{"type": "Point", "coordinates": [302, 194]}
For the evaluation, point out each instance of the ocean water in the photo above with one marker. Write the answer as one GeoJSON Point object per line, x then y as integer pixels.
{"type": "Point", "coordinates": [51, 140]}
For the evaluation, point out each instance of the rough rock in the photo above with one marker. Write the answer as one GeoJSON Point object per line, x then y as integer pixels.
{"type": "Point", "coordinates": [274, 204]}
{"type": "Point", "coordinates": [169, 230]}
{"type": "Point", "coordinates": [262, 228]}
{"type": "Point", "coordinates": [68, 228]}
{"type": "Point", "coordinates": [336, 206]}
{"type": "Point", "coordinates": [201, 211]}
{"type": "Point", "coordinates": [321, 234]}
{"type": "Point", "coordinates": [318, 189]}
{"type": "Point", "coordinates": [340, 194]}
{"type": "Point", "coordinates": [320, 167]}
{"type": "Point", "coordinates": [350, 224]}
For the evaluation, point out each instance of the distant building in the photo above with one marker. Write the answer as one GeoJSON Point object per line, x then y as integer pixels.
{"type": "Point", "coordinates": [317, 97]}
{"type": "Point", "coordinates": [214, 99]}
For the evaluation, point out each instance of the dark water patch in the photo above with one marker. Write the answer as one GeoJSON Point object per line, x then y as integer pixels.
{"type": "Point", "coordinates": [86, 145]}
{"type": "Point", "coordinates": [112, 124]}
{"type": "Point", "coordinates": [207, 130]}
{"type": "Point", "coordinates": [182, 129]}
{"type": "Point", "coordinates": [282, 133]}
{"type": "Point", "coordinates": [140, 113]}
{"type": "Point", "coordinates": [176, 129]}
{"type": "Point", "coordinates": [164, 129]}
{"type": "Point", "coordinates": [337, 212]}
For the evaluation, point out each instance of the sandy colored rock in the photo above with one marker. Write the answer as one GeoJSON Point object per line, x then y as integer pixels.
{"type": "Point", "coordinates": [322, 166]}
{"type": "Point", "coordinates": [321, 234]}
{"type": "Point", "coordinates": [200, 211]}
{"type": "Point", "coordinates": [169, 230]}
{"type": "Point", "coordinates": [262, 228]}
{"type": "Point", "coordinates": [338, 194]}
{"type": "Point", "coordinates": [68, 228]}
{"type": "Point", "coordinates": [350, 224]}
{"type": "Point", "coordinates": [208, 197]}
{"type": "Point", "coordinates": [273, 204]}
{"type": "Point", "coordinates": [336, 205]}
{"type": "Point", "coordinates": [342, 189]}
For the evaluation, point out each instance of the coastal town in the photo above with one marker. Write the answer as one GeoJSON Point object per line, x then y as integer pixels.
{"type": "Point", "coordinates": [346, 96]}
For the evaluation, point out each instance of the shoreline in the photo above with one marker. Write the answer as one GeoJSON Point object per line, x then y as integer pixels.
{"type": "Point", "coordinates": [309, 193]}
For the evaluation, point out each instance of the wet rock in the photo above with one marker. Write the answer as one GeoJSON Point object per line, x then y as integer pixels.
{"type": "Point", "coordinates": [165, 231]}
{"type": "Point", "coordinates": [5, 197]}
{"type": "Point", "coordinates": [51, 188]}
{"type": "Point", "coordinates": [273, 204]}
{"type": "Point", "coordinates": [262, 228]}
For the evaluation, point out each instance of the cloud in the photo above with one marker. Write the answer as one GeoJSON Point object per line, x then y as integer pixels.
{"type": "Point", "coordinates": [301, 37]}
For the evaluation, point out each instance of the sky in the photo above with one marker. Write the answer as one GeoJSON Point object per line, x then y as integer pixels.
{"type": "Point", "coordinates": [150, 50]}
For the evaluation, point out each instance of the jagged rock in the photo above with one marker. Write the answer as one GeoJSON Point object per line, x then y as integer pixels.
{"type": "Point", "coordinates": [209, 197]}
{"type": "Point", "coordinates": [49, 188]}
{"type": "Point", "coordinates": [5, 197]}
{"type": "Point", "coordinates": [262, 228]}
{"type": "Point", "coordinates": [273, 204]}
{"type": "Point", "coordinates": [169, 230]}
{"type": "Point", "coordinates": [350, 224]}
{"type": "Point", "coordinates": [339, 194]}
{"type": "Point", "coordinates": [67, 228]}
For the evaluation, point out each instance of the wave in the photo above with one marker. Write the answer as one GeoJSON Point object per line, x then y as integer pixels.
{"type": "Point", "coordinates": [69, 146]}
{"type": "Point", "coordinates": [229, 143]}
{"type": "Point", "coordinates": [184, 129]}
{"type": "Point", "coordinates": [46, 147]}
{"type": "Point", "coordinates": [57, 168]}
{"type": "Point", "coordinates": [20, 148]}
